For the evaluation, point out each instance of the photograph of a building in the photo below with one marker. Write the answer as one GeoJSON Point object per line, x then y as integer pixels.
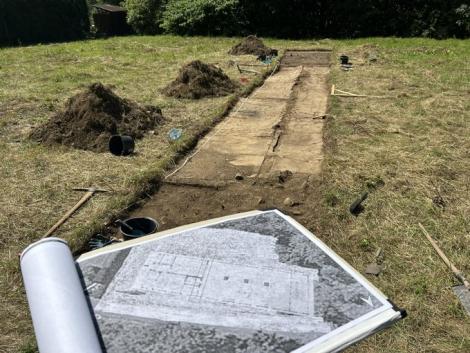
{"type": "Point", "coordinates": [243, 285]}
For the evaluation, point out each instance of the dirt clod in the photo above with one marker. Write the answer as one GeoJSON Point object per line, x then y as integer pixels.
{"type": "Point", "coordinates": [288, 202]}
{"type": "Point", "coordinates": [284, 176]}
{"type": "Point", "coordinates": [197, 80]}
{"type": "Point", "coordinates": [374, 269]}
{"type": "Point", "coordinates": [439, 201]}
{"type": "Point", "coordinates": [252, 45]}
{"type": "Point", "coordinates": [91, 117]}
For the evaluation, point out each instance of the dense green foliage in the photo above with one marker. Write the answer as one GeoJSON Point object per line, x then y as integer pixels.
{"type": "Point", "coordinates": [203, 17]}
{"type": "Point", "coordinates": [144, 16]}
{"type": "Point", "coordinates": [303, 18]}
{"type": "Point", "coordinates": [463, 19]}
{"type": "Point", "coordinates": [357, 18]}
{"type": "Point", "coordinates": [35, 21]}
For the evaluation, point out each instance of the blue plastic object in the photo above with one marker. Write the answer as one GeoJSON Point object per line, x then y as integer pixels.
{"type": "Point", "coordinates": [175, 134]}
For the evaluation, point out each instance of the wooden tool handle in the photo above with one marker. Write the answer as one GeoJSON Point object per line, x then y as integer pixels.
{"type": "Point", "coordinates": [79, 204]}
{"type": "Point", "coordinates": [444, 258]}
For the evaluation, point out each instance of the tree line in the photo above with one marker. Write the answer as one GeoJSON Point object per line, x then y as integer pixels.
{"type": "Point", "coordinates": [34, 21]}
{"type": "Point", "coordinates": [302, 18]}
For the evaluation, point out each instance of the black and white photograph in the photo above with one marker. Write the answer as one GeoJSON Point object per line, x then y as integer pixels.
{"type": "Point", "coordinates": [252, 284]}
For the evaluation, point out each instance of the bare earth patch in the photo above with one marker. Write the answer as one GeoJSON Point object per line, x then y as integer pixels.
{"type": "Point", "coordinates": [252, 45]}
{"type": "Point", "coordinates": [91, 117]}
{"type": "Point", "coordinates": [197, 80]}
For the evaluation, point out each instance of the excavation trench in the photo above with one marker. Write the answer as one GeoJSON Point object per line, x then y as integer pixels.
{"type": "Point", "coordinates": [267, 153]}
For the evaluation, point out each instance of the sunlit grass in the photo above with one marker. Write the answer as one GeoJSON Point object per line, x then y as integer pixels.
{"type": "Point", "coordinates": [416, 141]}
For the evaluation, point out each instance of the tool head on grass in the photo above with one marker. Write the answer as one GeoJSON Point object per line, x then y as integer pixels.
{"type": "Point", "coordinates": [463, 293]}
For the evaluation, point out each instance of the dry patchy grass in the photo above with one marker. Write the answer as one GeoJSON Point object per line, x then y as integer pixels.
{"type": "Point", "coordinates": [37, 180]}
{"type": "Point", "coordinates": [416, 142]}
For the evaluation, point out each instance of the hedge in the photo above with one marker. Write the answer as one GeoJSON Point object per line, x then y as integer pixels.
{"type": "Point", "coordinates": [144, 16]}
{"type": "Point", "coordinates": [358, 18]}
{"type": "Point", "coordinates": [303, 18]}
{"type": "Point", "coordinates": [207, 17]}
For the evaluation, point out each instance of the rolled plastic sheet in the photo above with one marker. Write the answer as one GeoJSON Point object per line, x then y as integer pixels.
{"type": "Point", "coordinates": [61, 316]}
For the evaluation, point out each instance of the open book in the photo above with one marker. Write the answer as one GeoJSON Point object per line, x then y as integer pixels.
{"type": "Point", "coordinates": [251, 282]}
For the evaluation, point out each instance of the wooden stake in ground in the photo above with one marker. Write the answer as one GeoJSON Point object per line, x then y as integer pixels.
{"type": "Point", "coordinates": [88, 195]}
{"type": "Point", "coordinates": [339, 93]}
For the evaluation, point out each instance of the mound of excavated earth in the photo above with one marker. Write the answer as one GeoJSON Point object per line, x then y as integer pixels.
{"type": "Point", "coordinates": [197, 80]}
{"type": "Point", "coordinates": [252, 45]}
{"type": "Point", "coordinates": [91, 117]}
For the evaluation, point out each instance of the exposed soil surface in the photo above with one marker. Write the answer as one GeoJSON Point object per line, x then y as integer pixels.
{"type": "Point", "coordinates": [252, 45]}
{"type": "Point", "coordinates": [178, 204]}
{"type": "Point", "coordinates": [266, 154]}
{"type": "Point", "coordinates": [198, 80]}
{"type": "Point", "coordinates": [306, 58]}
{"type": "Point", "coordinates": [91, 117]}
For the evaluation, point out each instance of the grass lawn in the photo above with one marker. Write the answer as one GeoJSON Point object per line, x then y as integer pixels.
{"type": "Point", "coordinates": [418, 145]}
{"type": "Point", "coordinates": [414, 143]}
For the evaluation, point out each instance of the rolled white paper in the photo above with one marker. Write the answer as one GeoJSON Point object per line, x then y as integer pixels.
{"type": "Point", "coordinates": [61, 316]}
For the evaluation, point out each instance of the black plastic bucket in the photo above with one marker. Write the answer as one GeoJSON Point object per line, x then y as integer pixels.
{"type": "Point", "coordinates": [121, 145]}
{"type": "Point", "coordinates": [142, 226]}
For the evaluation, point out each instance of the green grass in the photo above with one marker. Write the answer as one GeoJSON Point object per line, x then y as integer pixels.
{"type": "Point", "coordinates": [36, 82]}
{"type": "Point", "coordinates": [416, 141]}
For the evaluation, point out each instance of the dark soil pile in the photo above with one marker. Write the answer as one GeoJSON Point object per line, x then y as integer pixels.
{"type": "Point", "coordinates": [91, 117]}
{"type": "Point", "coordinates": [197, 80]}
{"type": "Point", "coordinates": [252, 45]}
